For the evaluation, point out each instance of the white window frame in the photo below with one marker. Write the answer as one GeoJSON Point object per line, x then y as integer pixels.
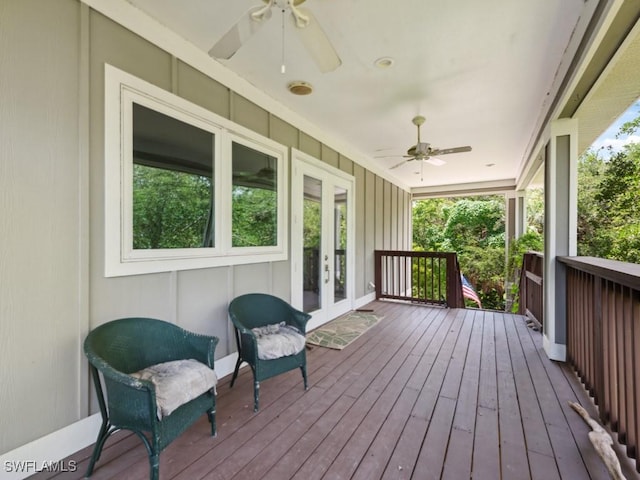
{"type": "Point", "coordinates": [121, 91]}
{"type": "Point", "coordinates": [281, 182]}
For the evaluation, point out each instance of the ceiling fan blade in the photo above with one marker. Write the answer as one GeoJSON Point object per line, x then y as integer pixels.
{"type": "Point", "coordinates": [445, 151]}
{"type": "Point", "coordinates": [237, 35]}
{"type": "Point", "coordinates": [399, 164]}
{"type": "Point", "coordinates": [394, 156]}
{"type": "Point", "coordinates": [435, 161]}
{"type": "Point", "coordinates": [316, 41]}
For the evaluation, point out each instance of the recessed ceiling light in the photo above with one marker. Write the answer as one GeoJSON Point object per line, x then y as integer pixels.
{"type": "Point", "coordinates": [384, 62]}
{"type": "Point", "coordinates": [300, 88]}
{"type": "Point", "coordinates": [490, 165]}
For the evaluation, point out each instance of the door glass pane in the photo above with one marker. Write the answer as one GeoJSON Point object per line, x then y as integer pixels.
{"type": "Point", "coordinates": [312, 228]}
{"type": "Point", "coordinates": [340, 243]}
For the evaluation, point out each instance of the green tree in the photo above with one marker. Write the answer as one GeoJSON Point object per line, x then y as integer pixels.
{"type": "Point", "coordinates": [474, 229]}
{"type": "Point", "coordinates": [608, 212]}
{"type": "Point", "coordinates": [535, 209]}
{"type": "Point", "coordinates": [171, 209]}
{"type": "Point", "coordinates": [591, 168]}
{"type": "Point", "coordinates": [254, 217]}
{"type": "Point", "coordinates": [474, 221]}
{"type": "Point", "coordinates": [429, 219]}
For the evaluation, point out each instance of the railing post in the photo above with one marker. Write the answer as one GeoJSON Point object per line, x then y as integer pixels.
{"type": "Point", "coordinates": [454, 285]}
{"type": "Point", "coordinates": [378, 273]}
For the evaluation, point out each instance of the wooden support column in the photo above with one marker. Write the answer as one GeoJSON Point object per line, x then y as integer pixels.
{"type": "Point", "coordinates": [521, 213]}
{"type": "Point", "coordinates": [510, 202]}
{"type": "Point", "coordinates": [560, 231]}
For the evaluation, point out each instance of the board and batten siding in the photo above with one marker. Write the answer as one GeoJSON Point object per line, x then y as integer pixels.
{"type": "Point", "coordinates": [42, 205]}
{"type": "Point", "coordinates": [52, 198]}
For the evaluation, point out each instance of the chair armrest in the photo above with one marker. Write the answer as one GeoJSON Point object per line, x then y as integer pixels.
{"type": "Point", "coordinates": [115, 375]}
{"type": "Point", "coordinates": [128, 397]}
{"type": "Point", "coordinates": [201, 348]}
{"type": "Point", "coordinates": [248, 343]}
{"type": "Point", "coordinates": [299, 320]}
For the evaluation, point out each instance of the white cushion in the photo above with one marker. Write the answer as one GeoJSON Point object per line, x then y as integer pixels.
{"type": "Point", "coordinates": [178, 382]}
{"type": "Point", "coordinates": [278, 340]}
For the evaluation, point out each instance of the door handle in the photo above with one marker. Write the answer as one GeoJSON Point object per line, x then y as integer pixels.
{"type": "Point", "coordinates": [326, 273]}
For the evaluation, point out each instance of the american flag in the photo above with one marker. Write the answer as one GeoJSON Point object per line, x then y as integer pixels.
{"type": "Point", "coordinates": [469, 292]}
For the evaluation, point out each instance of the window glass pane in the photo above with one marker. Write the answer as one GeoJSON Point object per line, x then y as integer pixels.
{"type": "Point", "coordinates": [254, 198]}
{"type": "Point", "coordinates": [172, 182]}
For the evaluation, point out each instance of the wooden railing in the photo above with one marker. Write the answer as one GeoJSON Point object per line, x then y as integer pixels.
{"type": "Point", "coordinates": [530, 301]}
{"type": "Point", "coordinates": [603, 339]}
{"type": "Point", "coordinates": [423, 277]}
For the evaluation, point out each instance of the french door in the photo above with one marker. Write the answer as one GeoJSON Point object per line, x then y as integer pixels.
{"type": "Point", "coordinates": [322, 239]}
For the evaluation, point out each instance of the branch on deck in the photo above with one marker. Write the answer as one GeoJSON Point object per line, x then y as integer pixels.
{"type": "Point", "coordinates": [602, 442]}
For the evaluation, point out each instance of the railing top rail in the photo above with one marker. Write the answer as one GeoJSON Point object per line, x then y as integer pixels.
{"type": "Point", "coordinates": [412, 253]}
{"type": "Point", "coordinates": [623, 273]}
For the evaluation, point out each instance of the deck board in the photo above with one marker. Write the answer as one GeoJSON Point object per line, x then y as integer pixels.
{"type": "Point", "coordinates": [426, 393]}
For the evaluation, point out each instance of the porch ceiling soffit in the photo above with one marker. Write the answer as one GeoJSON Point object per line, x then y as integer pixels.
{"type": "Point", "coordinates": [464, 189]}
{"type": "Point", "coordinates": [616, 89]}
{"type": "Point", "coordinates": [610, 25]}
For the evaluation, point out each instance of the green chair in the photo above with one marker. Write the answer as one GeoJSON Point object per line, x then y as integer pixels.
{"type": "Point", "coordinates": [253, 312]}
{"type": "Point", "coordinates": [122, 347]}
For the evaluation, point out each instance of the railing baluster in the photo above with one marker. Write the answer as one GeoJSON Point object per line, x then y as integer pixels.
{"type": "Point", "coordinates": [629, 366]}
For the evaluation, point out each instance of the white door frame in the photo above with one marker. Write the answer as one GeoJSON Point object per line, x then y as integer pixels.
{"type": "Point", "coordinates": [304, 164]}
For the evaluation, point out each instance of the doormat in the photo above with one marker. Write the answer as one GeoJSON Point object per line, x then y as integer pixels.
{"type": "Point", "coordinates": [340, 332]}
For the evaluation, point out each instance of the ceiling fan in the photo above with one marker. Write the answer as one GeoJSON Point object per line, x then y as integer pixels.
{"type": "Point", "coordinates": [313, 37]}
{"type": "Point", "coordinates": [424, 151]}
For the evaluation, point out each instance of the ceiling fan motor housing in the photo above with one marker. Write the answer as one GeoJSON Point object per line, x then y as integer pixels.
{"type": "Point", "coordinates": [421, 149]}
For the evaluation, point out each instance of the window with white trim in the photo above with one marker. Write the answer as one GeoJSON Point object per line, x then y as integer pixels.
{"type": "Point", "coordinates": [185, 188]}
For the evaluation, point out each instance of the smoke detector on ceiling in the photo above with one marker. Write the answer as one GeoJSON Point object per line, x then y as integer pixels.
{"type": "Point", "coordinates": [300, 88]}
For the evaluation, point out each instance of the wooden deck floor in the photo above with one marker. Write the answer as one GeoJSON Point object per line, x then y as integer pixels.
{"type": "Point", "coordinates": [427, 393]}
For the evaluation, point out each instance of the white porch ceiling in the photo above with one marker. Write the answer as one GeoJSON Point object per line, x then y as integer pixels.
{"type": "Point", "coordinates": [481, 72]}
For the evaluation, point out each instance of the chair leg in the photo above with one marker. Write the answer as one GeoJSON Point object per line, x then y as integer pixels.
{"type": "Point", "coordinates": [235, 372]}
{"type": "Point", "coordinates": [256, 394]}
{"type": "Point", "coordinates": [154, 461]}
{"type": "Point", "coordinates": [303, 368]}
{"type": "Point", "coordinates": [212, 420]}
{"type": "Point", "coordinates": [153, 452]}
{"type": "Point", "coordinates": [103, 434]}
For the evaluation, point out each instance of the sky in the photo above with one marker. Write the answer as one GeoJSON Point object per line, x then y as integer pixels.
{"type": "Point", "coordinates": [608, 137]}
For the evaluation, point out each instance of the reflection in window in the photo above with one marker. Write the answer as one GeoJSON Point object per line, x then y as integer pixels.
{"type": "Point", "coordinates": [255, 198]}
{"type": "Point", "coordinates": [172, 182]}
{"type": "Point", "coordinates": [312, 229]}
{"type": "Point", "coordinates": [340, 243]}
